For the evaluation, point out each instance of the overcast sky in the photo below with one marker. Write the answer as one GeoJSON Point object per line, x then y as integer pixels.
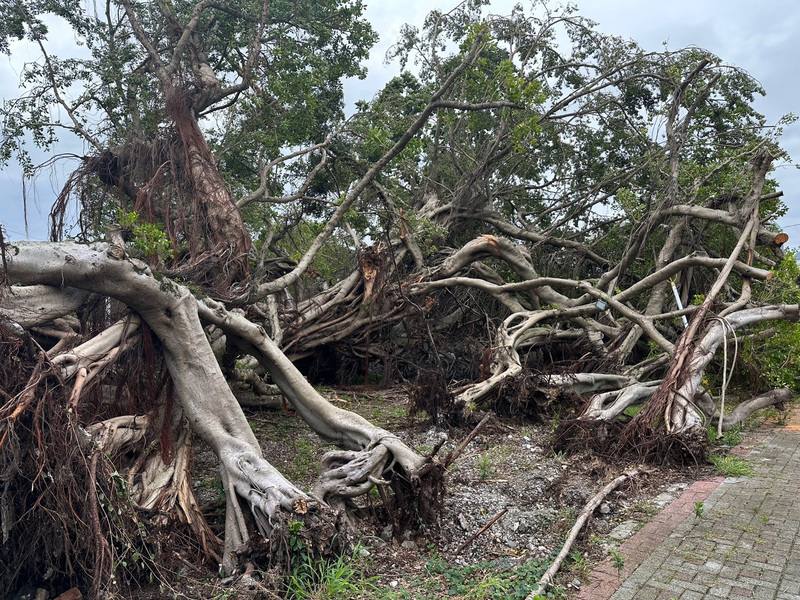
{"type": "Point", "coordinates": [760, 36]}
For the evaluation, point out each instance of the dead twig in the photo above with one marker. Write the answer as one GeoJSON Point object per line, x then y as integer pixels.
{"type": "Point", "coordinates": [587, 511]}
{"type": "Point", "coordinates": [455, 453]}
{"type": "Point", "coordinates": [477, 534]}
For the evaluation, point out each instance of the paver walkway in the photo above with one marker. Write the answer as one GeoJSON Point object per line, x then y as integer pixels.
{"type": "Point", "coordinates": [746, 543]}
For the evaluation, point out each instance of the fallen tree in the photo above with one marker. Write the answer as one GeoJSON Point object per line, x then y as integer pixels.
{"type": "Point", "coordinates": [208, 406]}
{"type": "Point", "coordinates": [497, 230]}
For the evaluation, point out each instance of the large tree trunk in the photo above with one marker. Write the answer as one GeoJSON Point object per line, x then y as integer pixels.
{"type": "Point", "coordinates": [220, 240]}
{"type": "Point", "coordinates": [204, 396]}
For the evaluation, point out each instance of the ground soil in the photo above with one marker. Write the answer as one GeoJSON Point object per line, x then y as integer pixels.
{"type": "Point", "coordinates": [509, 466]}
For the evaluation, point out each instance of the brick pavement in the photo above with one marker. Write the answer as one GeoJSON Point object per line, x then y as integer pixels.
{"type": "Point", "coordinates": [605, 578]}
{"type": "Point", "coordinates": [744, 546]}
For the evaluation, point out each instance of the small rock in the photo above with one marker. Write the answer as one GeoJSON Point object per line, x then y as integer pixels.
{"type": "Point", "coordinates": [663, 499]}
{"type": "Point", "coordinates": [409, 545]}
{"type": "Point", "coordinates": [511, 543]}
{"type": "Point", "coordinates": [624, 530]}
{"type": "Point", "coordinates": [386, 533]}
{"type": "Point", "coordinates": [605, 508]}
{"type": "Point", "coordinates": [462, 521]}
{"type": "Point", "coordinates": [393, 583]}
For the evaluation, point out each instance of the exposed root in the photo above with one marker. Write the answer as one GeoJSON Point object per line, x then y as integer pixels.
{"type": "Point", "coordinates": [349, 474]}
{"type": "Point", "coordinates": [607, 439]}
{"type": "Point", "coordinates": [275, 506]}
{"type": "Point", "coordinates": [372, 451]}
{"type": "Point", "coordinates": [578, 435]}
{"type": "Point", "coordinates": [416, 494]}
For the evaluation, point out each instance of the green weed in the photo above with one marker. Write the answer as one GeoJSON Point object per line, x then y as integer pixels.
{"type": "Point", "coordinates": [730, 438]}
{"type": "Point", "coordinates": [338, 579]}
{"type": "Point", "coordinates": [617, 560]}
{"type": "Point", "coordinates": [731, 466]}
{"type": "Point", "coordinates": [578, 562]}
{"type": "Point", "coordinates": [485, 466]}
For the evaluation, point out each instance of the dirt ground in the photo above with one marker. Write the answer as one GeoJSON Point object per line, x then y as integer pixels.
{"type": "Point", "coordinates": [509, 469]}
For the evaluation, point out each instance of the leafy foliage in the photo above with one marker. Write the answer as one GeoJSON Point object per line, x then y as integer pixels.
{"type": "Point", "coordinates": [149, 239]}
{"type": "Point", "coordinates": [774, 361]}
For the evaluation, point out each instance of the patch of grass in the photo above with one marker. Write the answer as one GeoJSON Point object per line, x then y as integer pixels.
{"type": "Point", "coordinates": [304, 461]}
{"type": "Point", "coordinates": [485, 580]}
{"type": "Point", "coordinates": [645, 507]}
{"type": "Point", "coordinates": [730, 438]}
{"type": "Point", "coordinates": [335, 579]}
{"type": "Point", "coordinates": [376, 408]}
{"type": "Point", "coordinates": [485, 466]}
{"type": "Point", "coordinates": [731, 466]}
